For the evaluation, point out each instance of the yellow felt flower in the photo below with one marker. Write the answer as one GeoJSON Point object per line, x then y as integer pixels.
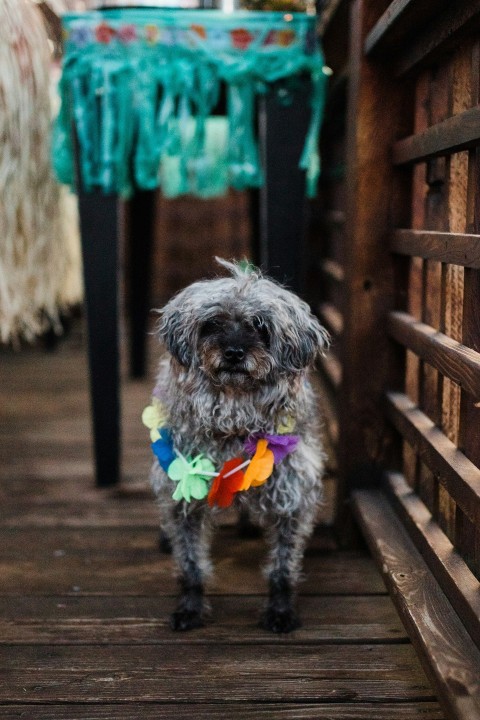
{"type": "Point", "coordinates": [154, 417]}
{"type": "Point", "coordinates": [286, 425]}
{"type": "Point", "coordinates": [260, 468]}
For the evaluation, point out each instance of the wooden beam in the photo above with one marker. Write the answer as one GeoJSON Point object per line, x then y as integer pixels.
{"type": "Point", "coordinates": [456, 133]}
{"type": "Point", "coordinates": [458, 582]}
{"type": "Point", "coordinates": [332, 370]}
{"type": "Point", "coordinates": [398, 20]}
{"type": "Point", "coordinates": [451, 358]}
{"type": "Point", "coordinates": [375, 202]}
{"type": "Point", "coordinates": [443, 32]}
{"type": "Point", "coordinates": [333, 270]}
{"type": "Point", "coordinates": [459, 475]}
{"type": "Point", "coordinates": [446, 247]}
{"type": "Point", "coordinates": [331, 318]}
{"type": "Point", "coordinates": [448, 654]}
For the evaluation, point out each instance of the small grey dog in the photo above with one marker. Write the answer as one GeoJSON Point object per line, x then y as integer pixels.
{"type": "Point", "coordinates": [239, 349]}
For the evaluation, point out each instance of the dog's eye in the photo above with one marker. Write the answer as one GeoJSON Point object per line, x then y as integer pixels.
{"type": "Point", "coordinates": [211, 326]}
{"type": "Point", "coordinates": [260, 326]}
{"type": "Point", "coordinates": [258, 323]}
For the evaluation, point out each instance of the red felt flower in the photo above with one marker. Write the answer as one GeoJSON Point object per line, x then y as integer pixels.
{"type": "Point", "coordinates": [241, 38]}
{"type": "Point", "coordinates": [104, 33]}
{"type": "Point", "coordinates": [223, 488]}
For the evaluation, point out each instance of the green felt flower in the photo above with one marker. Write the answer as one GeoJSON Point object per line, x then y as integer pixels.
{"type": "Point", "coordinates": [192, 477]}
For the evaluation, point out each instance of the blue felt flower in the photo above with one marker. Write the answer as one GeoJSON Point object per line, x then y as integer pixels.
{"type": "Point", "coordinates": [163, 449]}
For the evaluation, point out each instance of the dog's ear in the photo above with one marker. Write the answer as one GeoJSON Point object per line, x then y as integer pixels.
{"type": "Point", "coordinates": [310, 341]}
{"type": "Point", "coordinates": [175, 329]}
{"type": "Point", "coordinates": [301, 338]}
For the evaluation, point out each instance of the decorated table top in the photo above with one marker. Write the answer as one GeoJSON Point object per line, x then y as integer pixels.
{"type": "Point", "coordinates": [140, 87]}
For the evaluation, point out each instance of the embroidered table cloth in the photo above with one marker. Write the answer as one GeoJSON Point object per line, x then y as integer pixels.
{"type": "Point", "coordinates": [140, 87]}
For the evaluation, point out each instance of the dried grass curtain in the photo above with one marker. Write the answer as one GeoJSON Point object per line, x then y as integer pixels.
{"type": "Point", "coordinates": [39, 255]}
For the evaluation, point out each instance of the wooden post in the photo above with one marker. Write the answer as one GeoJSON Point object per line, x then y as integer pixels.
{"type": "Point", "coordinates": [376, 202]}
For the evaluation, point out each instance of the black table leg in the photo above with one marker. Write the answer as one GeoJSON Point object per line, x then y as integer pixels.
{"type": "Point", "coordinates": [141, 230]}
{"type": "Point", "coordinates": [99, 232]}
{"type": "Point", "coordinates": [283, 119]}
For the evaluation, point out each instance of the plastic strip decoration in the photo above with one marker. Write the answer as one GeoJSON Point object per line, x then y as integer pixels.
{"type": "Point", "coordinates": [140, 87]}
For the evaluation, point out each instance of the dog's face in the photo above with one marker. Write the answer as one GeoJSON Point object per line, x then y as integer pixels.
{"type": "Point", "coordinates": [241, 331]}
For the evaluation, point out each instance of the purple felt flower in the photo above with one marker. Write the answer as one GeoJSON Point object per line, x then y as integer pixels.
{"type": "Point", "coordinates": [280, 445]}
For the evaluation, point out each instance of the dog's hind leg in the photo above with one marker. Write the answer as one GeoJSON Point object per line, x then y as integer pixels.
{"type": "Point", "coordinates": [190, 540]}
{"type": "Point", "coordinates": [287, 538]}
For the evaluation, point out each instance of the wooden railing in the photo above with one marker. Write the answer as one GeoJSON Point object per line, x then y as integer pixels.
{"type": "Point", "coordinates": [402, 271]}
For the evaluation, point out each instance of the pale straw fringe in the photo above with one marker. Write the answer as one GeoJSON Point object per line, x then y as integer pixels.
{"type": "Point", "coordinates": [39, 257]}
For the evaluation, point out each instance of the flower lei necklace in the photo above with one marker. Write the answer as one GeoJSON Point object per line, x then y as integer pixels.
{"type": "Point", "coordinates": [196, 477]}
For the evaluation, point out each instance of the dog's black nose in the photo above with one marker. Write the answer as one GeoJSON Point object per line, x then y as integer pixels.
{"type": "Point", "coordinates": [234, 354]}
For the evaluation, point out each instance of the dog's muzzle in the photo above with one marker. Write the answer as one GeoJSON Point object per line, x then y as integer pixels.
{"type": "Point", "coordinates": [233, 359]}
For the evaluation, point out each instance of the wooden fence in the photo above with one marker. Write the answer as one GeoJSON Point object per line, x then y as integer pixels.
{"type": "Point", "coordinates": [399, 261]}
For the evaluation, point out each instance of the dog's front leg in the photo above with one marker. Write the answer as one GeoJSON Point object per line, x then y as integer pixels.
{"type": "Point", "coordinates": [190, 548]}
{"type": "Point", "coordinates": [286, 538]}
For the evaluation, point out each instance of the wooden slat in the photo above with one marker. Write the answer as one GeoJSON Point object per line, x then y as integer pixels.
{"type": "Point", "coordinates": [467, 533]}
{"type": "Point", "coordinates": [144, 620]}
{"type": "Point", "coordinates": [333, 270]}
{"type": "Point", "coordinates": [127, 562]}
{"type": "Point", "coordinates": [448, 654]}
{"type": "Point", "coordinates": [332, 370]}
{"type": "Point", "coordinates": [444, 32]}
{"type": "Point", "coordinates": [95, 674]}
{"type": "Point", "coordinates": [331, 317]}
{"type": "Point", "coordinates": [335, 217]}
{"type": "Point", "coordinates": [459, 475]}
{"type": "Point", "coordinates": [398, 19]}
{"type": "Point", "coordinates": [451, 358]}
{"type": "Point", "coordinates": [232, 711]}
{"type": "Point", "coordinates": [455, 248]}
{"type": "Point", "coordinates": [457, 581]}
{"type": "Point", "coordinates": [456, 133]}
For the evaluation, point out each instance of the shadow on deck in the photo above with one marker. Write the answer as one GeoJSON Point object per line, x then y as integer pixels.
{"type": "Point", "coordinates": [85, 595]}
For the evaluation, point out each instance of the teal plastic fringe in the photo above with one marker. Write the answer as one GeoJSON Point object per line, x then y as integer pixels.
{"type": "Point", "coordinates": [139, 87]}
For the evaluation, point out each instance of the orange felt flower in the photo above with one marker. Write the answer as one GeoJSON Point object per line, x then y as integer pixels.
{"type": "Point", "coordinates": [223, 488]}
{"type": "Point", "coordinates": [261, 466]}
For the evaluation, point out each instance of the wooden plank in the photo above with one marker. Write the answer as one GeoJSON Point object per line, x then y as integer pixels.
{"type": "Point", "coordinates": [333, 270]}
{"type": "Point", "coordinates": [127, 562]}
{"type": "Point", "coordinates": [456, 133]}
{"type": "Point", "coordinates": [332, 369]}
{"type": "Point", "coordinates": [467, 534]}
{"type": "Point", "coordinates": [398, 20]}
{"type": "Point", "coordinates": [331, 318]}
{"type": "Point", "coordinates": [205, 673]}
{"type": "Point", "coordinates": [446, 247]}
{"type": "Point", "coordinates": [243, 711]}
{"type": "Point", "coordinates": [453, 359]}
{"type": "Point", "coordinates": [449, 657]}
{"type": "Point", "coordinates": [113, 620]}
{"type": "Point", "coordinates": [458, 583]}
{"type": "Point", "coordinates": [335, 217]}
{"type": "Point", "coordinates": [444, 32]}
{"type": "Point", "coordinates": [453, 469]}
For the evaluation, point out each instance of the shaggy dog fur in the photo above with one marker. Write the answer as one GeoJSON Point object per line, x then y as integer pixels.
{"type": "Point", "coordinates": [239, 350]}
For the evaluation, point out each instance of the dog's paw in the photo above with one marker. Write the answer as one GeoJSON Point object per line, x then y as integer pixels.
{"type": "Point", "coordinates": [280, 621]}
{"type": "Point", "coordinates": [182, 620]}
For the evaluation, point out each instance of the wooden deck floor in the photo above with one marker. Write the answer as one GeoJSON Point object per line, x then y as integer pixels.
{"type": "Point", "coordinates": [85, 595]}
